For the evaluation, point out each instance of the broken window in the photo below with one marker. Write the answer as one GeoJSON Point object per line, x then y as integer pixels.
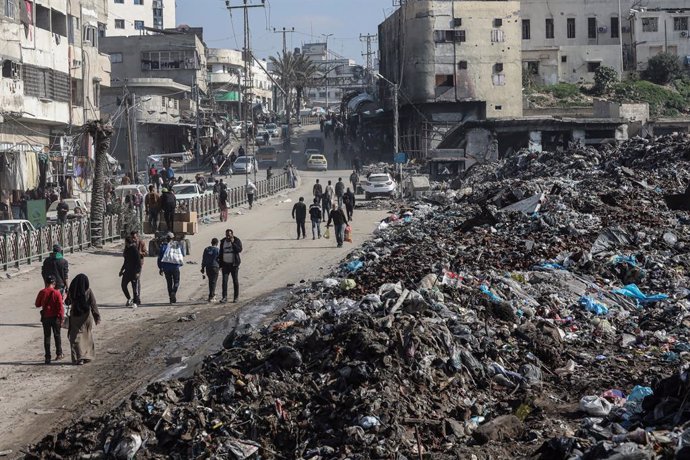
{"type": "Point", "coordinates": [532, 67]}
{"type": "Point", "coordinates": [77, 92]}
{"type": "Point", "coordinates": [462, 65]}
{"type": "Point", "coordinates": [570, 26]}
{"type": "Point", "coordinates": [166, 60]}
{"type": "Point", "coordinates": [498, 22]}
{"type": "Point", "coordinates": [614, 27]}
{"type": "Point", "coordinates": [592, 66]}
{"type": "Point", "coordinates": [444, 80]}
{"type": "Point", "coordinates": [526, 32]}
{"type": "Point", "coordinates": [680, 23]}
{"type": "Point", "coordinates": [498, 67]}
{"type": "Point", "coordinates": [11, 69]}
{"type": "Point", "coordinates": [591, 27]}
{"type": "Point", "coordinates": [650, 24]}
{"type": "Point", "coordinates": [96, 94]}
{"type": "Point", "coordinates": [445, 36]}
{"type": "Point", "coordinates": [457, 22]}
{"type": "Point", "coordinates": [58, 23]}
{"type": "Point", "coordinates": [498, 107]}
{"type": "Point", "coordinates": [549, 28]}
{"type": "Point", "coordinates": [42, 17]}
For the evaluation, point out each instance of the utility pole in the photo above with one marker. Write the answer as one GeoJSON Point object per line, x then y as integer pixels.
{"type": "Point", "coordinates": [326, 35]}
{"type": "Point", "coordinates": [396, 135]}
{"type": "Point", "coordinates": [369, 39]}
{"type": "Point", "coordinates": [135, 140]}
{"type": "Point", "coordinates": [246, 54]}
{"type": "Point", "coordinates": [198, 125]}
{"type": "Point", "coordinates": [284, 32]}
{"type": "Point", "coordinates": [130, 145]}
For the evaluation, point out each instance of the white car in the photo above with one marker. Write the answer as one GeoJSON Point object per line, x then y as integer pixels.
{"type": "Point", "coordinates": [187, 191]}
{"type": "Point", "coordinates": [317, 162]}
{"type": "Point", "coordinates": [245, 165]}
{"type": "Point", "coordinates": [378, 184]}
{"type": "Point", "coordinates": [15, 226]}
{"type": "Point", "coordinates": [272, 129]}
{"type": "Point", "coordinates": [121, 191]}
{"type": "Point", "coordinates": [72, 204]}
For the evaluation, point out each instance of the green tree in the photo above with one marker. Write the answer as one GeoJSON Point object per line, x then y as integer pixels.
{"type": "Point", "coordinates": [662, 68]}
{"type": "Point", "coordinates": [284, 66]}
{"type": "Point", "coordinates": [604, 78]}
{"type": "Point", "coordinates": [305, 70]}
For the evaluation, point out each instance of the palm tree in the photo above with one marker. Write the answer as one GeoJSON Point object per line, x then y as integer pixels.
{"type": "Point", "coordinates": [284, 67]}
{"type": "Point", "coordinates": [101, 133]}
{"type": "Point", "coordinates": [305, 70]}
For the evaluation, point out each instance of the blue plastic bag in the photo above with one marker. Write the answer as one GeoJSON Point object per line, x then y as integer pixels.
{"type": "Point", "coordinates": [631, 290]}
{"type": "Point", "coordinates": [354, 266]}
{"type": "Point", "coordinates": [639, 392]}
{"type": "Point", "coordinates": [593, 306]}
{"type": "Point", "coordinates": [485, 289]}
{"type": "Point", "coordinates": [551, 266]}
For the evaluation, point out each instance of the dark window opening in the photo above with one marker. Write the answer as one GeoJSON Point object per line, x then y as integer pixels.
{"type": "Point", "coordinates": [571, 27]}
{"type": "Point", "coordinates": [59, 23]}
{"type": "Point", "coordinates": [564, 58]}
{"type": "Point", "coordinates": [498, 107]}
{"type": "Point", "coordinates": [119, 23]}
{"type": "Point", "coordinates": [549, 28]}
{"type": "Point", "coordinates": [526, 32]}
{"type": "Point", "coordinates": [498, 22]}
{"type": "Point", "coordinates": [680, 23]}
{"type": "Point", "coordinates": [11, 69]}
{"type": "Point", "coordinates": [532, 67]}
{"type": "Point", "coordinates": [593, 66]}
{"type": "Point", "coordinates": [446, 36]}
{"type": "Point", "coordinates": [591, 27]}
{"type": "Point", "coordinates": [42, 17]}
{"type": "Point", "coordinates": [614, 28]}
{"type": "Point", "coordinates": [457, 22]}
{"type": "Point", "coordinates": [498, 67]}
{"type": "Point", "coordinates": [462, 65]}
{"type": "Point", "coordinates": [445, 81]}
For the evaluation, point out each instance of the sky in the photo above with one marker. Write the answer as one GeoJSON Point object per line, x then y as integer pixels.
{"type": "Point", "coordinates": [345, 19]}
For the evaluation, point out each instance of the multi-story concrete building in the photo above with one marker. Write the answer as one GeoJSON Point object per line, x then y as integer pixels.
{"type": "Point", "coordinates": [133, 17]}
{"type": "Point", "coordinates": [662, 29]}
{"type": "Point", "coordinates": [160, 78]}
{"type": "Point", "coordinates": [52, 76]}
{"type": "Point", "coordinates": [337, 75]}
{"type": "Point", "coordinates": [565, 41]}
{"type": "Point", "coordinates": [453, 61]}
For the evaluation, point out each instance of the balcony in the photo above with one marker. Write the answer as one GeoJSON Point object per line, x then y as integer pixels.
{"type": "Point", "coordinates": [222, 78]}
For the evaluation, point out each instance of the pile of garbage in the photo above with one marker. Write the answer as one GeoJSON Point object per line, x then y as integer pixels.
{"type": "Point", "coordinates": [540, 309]}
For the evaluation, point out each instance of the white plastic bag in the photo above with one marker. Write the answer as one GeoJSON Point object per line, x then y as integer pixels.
{"type": "Point", "coordinates": [173, 254]}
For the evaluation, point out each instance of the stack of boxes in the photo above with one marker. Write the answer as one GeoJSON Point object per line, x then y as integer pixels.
{"type": "Point", "coordinates": [186, 222]}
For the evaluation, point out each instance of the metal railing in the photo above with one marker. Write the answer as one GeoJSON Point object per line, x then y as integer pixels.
{"type": "Point", "coordinates": [207, 205]}
{"type": "Point", "coordinates": [24, 248]}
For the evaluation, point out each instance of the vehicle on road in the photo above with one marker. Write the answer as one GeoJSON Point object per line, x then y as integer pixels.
{"type": "Point", "coordinates": [310, 152]}
{"type": "Point", "coordinates": [267, 156]}
{"type": "Point", "coordinates": [188, 191]}
{"type": "Point", "coordinates": [261, 134]}
{"type": "Point", "coordinates": [121, 191]}
{"type": "Point", "coordinates": [273, 129]}
{"type": "Point", "coordinates": [317, 162]}
{"type": "Point", "coordinates": [245, 165]}
{"type": "Point", "coordinates": [15, 226]}
{"type": "Point", "coordinates": [72, 204]}
{"type": "Point", "coordinates": [378, 184]}
{"type": "Point", "coordinates": [314, 143]}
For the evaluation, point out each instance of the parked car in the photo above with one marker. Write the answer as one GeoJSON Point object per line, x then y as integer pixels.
{"type": "Point", "coordinates": [260, 133]}
{"type": "Point", "coordinates": [15, 226]}
{"type": "Point", "coordinates": [317, 162]}
{"type": "Point", "coordinates": [267, 156]}
{"type": "Point", "coordinates": [188, 191]}
{"type": "Point", "coordinates": [245, 165]}
{"type": "Point", "coordinates": [72, 204]}
{"type": "Point", "coordinates": [121, 191]}
{"type": "Point", "coordinates": [378, 184]}
{"type": "Point", "coordinates": [273, 129]}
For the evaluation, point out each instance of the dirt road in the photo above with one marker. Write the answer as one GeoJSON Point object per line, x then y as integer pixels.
{"type": "Point", "coordinates": [136, 346]}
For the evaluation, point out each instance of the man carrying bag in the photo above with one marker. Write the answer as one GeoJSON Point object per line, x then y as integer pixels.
{"type": "Point", "coordinates": [170, 259]}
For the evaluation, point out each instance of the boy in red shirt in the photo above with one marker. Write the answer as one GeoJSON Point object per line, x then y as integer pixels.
{"type": "Point", "coordinates": [49, 300]}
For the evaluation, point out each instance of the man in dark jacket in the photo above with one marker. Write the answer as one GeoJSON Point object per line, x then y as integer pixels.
{"type": "Point", "coordinates": [56, 266]}
{"type": "Point", "coordinates": [62, 211]}
{"type": "Point", "coordinates": [317, 190]}
{"type": "Point", "coordinates": [315, 216]}
{"type": "Point", "coordinates": [337, 216]}
{"type": "Point", "coordinates": [131, 271]}
{"type": "Point", "coordinates": [229, 260]}
{"type": "Point", "coordinates": [210, 266]}
{"type": "Point", "coordinates": [168, 205]}
{"type": "Point", "coordinates": [349, 202]}
{"type": "Point", "coordinates": [171, 270]}
{"type": "Point", "coordinates": [340, 191]}
{"type": "Point", "coordinates": [299, 213]}
{"type": "Point", "coordinates": [49, 300]}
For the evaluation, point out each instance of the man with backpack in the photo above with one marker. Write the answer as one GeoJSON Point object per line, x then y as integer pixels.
{"type": "Point", "coordinates": [170, 260]}
{"type": "Point", "coordinates": [168, 205]}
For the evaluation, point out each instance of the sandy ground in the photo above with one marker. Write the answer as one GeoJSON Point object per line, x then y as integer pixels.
{"type": "Point", "coordinates": [134, 347]}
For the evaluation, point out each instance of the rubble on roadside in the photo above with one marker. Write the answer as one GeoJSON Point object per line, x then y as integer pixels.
{"type": "Point", "coordinates": [539, 309]}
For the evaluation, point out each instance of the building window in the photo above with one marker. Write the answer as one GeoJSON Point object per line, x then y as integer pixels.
{"type": "Point", "coordinates": [570, 26]}
{"type": "Point", "coordinates": [650, 24]}
{"type": "Point", "coordinates": [614, 27]}
{"type": "Point", "coordinates": [497, 36]}
{"type": "Point", "coordinates": [138, 2]}
{"type": "Point", "coordinates": [90, 34]}
{"type": "Point", "coordinates": [166, 60]}
{"type": "Point", "coordinates": [139, 25]}
{"type": "Point", "coordinates": [10, 9]}
{"type": "Point", "coordinates": [446, 36]}
{"type": "Point", "coordinates": [119, 23]}
{"type": "Point", "coordinates": [498, 22]}
{"type": "Point", "coordinates": [115, 58]}
{"type": "Point", "coordinates": [564, 59]}
{"type": "Point", "coordinates": [526, 32]}
{"type": "Point", "coordinates": [457, 22]}
{"type": "Point", "coordinates": [444, 81]}
{"type": "Point", "coordinates": [119, 1]}
{"type": "Point", "coordinates": [11, 69]}
{"type": "Point", "coordinates": [498, 107]}
{"type": "Point", "coordinates": [593, 66]}
{"type": "Point", "coordinates": [72, 26]}
{"type": "Point", "coordinates": [548, 27]}
{"type": "Point", "coordinates": [680, 23]}
{"type": "Point", "coordinates": [498, 67]}
{"type": "Point", "coordinates": [164, 102]}
{"type": "Point", "coordinates": [532, 67]}
{"type": "Point", "coordinates": [462, 65]}
{"type": "Point", "coordinates": [591, 27]}
{"type": "Point", "coordinates": [96, 94]}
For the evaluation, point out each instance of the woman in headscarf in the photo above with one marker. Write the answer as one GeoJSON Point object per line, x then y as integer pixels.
{"type": "Point", "coordinates": [83, 315]}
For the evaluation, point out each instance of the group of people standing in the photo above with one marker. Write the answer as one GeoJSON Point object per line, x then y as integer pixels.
{"type": "Point", "coordinates": [335, 203]}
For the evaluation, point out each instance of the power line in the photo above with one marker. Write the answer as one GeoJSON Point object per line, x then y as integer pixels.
{"type": "Point", "coordinates": [369, 39]}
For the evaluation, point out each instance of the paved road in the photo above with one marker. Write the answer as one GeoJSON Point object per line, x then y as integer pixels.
{"type": "Point", "coordinates": [135, 346]}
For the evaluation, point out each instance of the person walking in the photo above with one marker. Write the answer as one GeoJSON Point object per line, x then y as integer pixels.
{"type": "Point", "coordinates": [340, 191]}
{"type": "Point", "coordinates": [131, 272]}
{"type": "Point", "coordinates": [337, 216]}
{"type": "Point", "coordinates": [251, 191]}
{"type": "Point", "coordinates": [62, 211]}
{"type": "Point", "coordinates": [210, 267]}
{"type": "Point", "coordinates": [223, 202]}
{"type": "Point", "coordinates": [56, 266]}
{"type": "Point", "coordinates": [299, 213]}
{"type": "Point", "coordinates": [49, 300]}
{"type": "Point", "coordinates": [140, 244]}
{"type": "Point", "coordinates": [168, 205]}
{"type": "Point", "coordinates": [327, 200]}
{"type": "Point", "coordinates": [315, 216]}
{"type": "Point", "coordinates": [152, 205]}
{"type": "Point", "coordinates": [169, 262]}
{"type": "Point", "coordinates": [349, 201]}
{"type": "Point", "coordinates": [229, 260]}
{"type": "Point", "coordinates": [317, 190]}
{"type": "Point", "coordinates": [82, 317]}
{"type": "Point", "coordinates": [354, 180]}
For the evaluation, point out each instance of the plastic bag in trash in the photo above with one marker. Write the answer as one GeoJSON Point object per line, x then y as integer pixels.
{"type": "Point", "coordinates": [354, 266]}
{"type": "Point", "coordinates": [639, 392]}
{"type": "Point", "coordinates": [295, 315]}
{"type": "Point", "coordinates": [593, 306]}
{"type": "Point", "coordinates": [631, 290]}
{"type": "Point", "coordinates": [595, 406]}
{"type": "Point", "coordinates": [347, 284]}
{"type": "Point", "coordinates": [330, 283]}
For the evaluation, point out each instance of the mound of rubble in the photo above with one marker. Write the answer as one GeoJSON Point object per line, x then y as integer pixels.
{"type": "Point", "coordinates": [539, 310]}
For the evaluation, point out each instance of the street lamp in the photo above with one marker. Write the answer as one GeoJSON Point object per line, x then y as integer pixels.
{"type": "Point", "coordinates": [396, 123]}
